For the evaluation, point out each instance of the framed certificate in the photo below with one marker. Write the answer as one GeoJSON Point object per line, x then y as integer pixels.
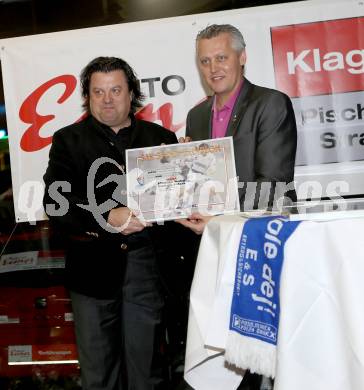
{"type": "Point", "coordinates": [172, 181]}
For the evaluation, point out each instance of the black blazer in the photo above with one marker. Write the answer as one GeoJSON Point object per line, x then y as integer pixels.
{"type": "Point", "coordinates": [264, 134]}
{"type": "Point", "coordinates": [94, 257]}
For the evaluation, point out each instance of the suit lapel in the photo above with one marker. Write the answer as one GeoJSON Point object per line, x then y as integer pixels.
{"type": "Point", "coordinates": [239, 108]}
{"type": "Point", "coordinates": [205, 132]}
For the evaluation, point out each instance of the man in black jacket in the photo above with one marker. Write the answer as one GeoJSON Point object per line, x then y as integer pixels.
{"type": "Point", "coordinates": [111, 262]}
{"type": "Point", "coordinates": [260, 120]}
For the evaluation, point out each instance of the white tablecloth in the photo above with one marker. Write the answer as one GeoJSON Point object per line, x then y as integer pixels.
{"type": "Point", "coordinates": [321, 330]}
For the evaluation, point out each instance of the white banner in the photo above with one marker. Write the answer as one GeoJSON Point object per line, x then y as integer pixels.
{"type": "Point", "coordinates": [40, 76]}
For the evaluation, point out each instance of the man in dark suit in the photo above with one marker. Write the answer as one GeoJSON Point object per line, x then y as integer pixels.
{"type": "Point", "coordinates": [260, 120]}
{"type": "Point", "coordinates": [111, 261]}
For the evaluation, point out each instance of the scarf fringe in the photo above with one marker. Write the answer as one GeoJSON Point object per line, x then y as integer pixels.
{"type": "Point", "coordinates": [250, 353]}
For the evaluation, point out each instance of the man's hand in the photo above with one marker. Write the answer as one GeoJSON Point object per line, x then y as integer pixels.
{"type": "Point", "coordinates": [196, 222]}
{"type": "Point", "coordinates": [124, 221]}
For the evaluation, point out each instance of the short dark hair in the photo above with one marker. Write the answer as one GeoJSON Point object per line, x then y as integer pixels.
{"type": "Point", "coordinates": [212, 31]}
{"type": "Point", "coordinates": [109, 64]}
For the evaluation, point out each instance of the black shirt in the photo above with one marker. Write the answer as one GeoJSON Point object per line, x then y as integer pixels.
{"type": "Point", "coordinates": [121, 139]}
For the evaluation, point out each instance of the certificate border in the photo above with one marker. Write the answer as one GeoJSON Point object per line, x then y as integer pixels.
{"type": "Point", "coordinates": [231, 197]}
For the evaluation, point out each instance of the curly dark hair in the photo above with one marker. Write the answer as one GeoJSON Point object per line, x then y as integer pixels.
{"type": "Point", "coordinates": [109, 64]}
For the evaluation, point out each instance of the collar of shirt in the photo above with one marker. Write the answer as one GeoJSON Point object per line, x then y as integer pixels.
{"type": "Point", "coordinates": [119, 140]}
{"type": "Point", "coordinates": [221, 118]}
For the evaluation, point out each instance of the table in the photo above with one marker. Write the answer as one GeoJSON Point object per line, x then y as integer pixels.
{"type": "Point", "coordinates": [320, 340]}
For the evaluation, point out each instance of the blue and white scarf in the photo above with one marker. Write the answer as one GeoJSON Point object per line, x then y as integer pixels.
{"type": "Point", "coordinates": [255, 309]}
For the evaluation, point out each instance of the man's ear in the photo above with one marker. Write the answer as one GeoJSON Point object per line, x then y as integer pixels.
{"type": "Point", "coordinates": [242, 58]}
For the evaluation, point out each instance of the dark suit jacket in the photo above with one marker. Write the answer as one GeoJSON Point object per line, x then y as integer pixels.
{"type": "Point", "coordinates": [95, 257]}
{"type": "Point", "coordinates": [264, 134]}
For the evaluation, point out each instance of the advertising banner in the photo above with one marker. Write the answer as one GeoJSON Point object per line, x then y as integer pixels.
{"type": "Point", "coordinates": [22, 261]}
{"type": "Point", "coordinates": [311, 50]}
{"type": "Point", "coordinates": [42, 354]}
{"type": "Point", "coordinates": [324, 77]}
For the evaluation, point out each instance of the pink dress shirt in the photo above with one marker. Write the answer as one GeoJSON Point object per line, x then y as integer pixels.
{"type": "Point", "coordinates": [220, 118]}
